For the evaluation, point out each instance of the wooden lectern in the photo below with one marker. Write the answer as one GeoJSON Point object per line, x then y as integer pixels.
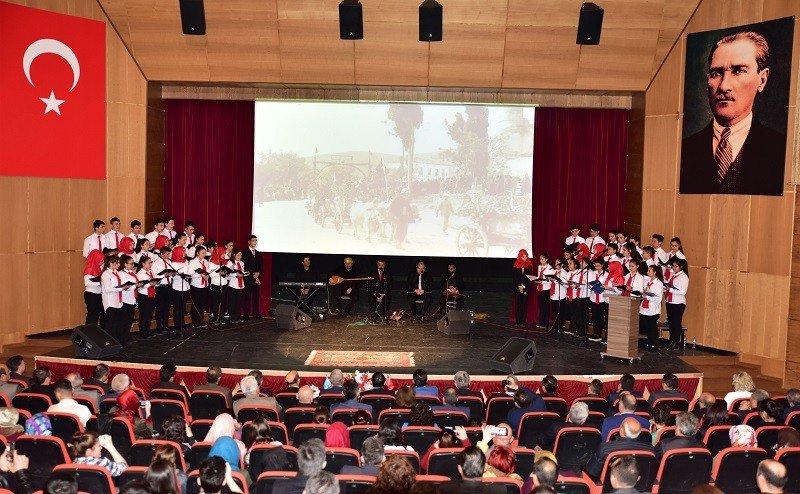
{"type": "Point", "coordinates": [623, 327]}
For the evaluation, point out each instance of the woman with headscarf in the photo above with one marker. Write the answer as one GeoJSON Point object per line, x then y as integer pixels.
{"type": "Point", "coordinates": [9, 424]}
{"type": "Point", "coordinates": [39, 425]}
{"type": "Point", "coordinates": [224, 426]}
{"type": "Point", "coordinates": [126, 246]}
{"type": "Point", "coordinates": [92, 292]}
{"type": "Point", "coordinates": [227, 448]}
{"type": "Point", "coordinates": [218, 283]}
{"type": "Point", "coordinates": [523, 267]}
{"type": "Point", "coordinates": [130, 408]}
{"type": "Point", "coordinates": [337, 436]}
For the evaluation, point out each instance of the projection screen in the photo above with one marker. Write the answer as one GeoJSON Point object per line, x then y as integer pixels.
{"type": "Point", "coordinates": [449, 180]}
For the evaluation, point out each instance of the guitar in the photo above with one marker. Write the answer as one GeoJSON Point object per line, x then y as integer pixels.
{"type": "Point", "coordinates": [335, 280]}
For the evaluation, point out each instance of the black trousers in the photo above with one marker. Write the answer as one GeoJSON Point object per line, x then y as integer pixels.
{"type": "Point", "coordinates": [338, 293]}
{"type": "Point", "coordinates": [179, 308]}
{"type": "Point", "coordinates": [426, 303]}
{"type": "Point", "coordinates": [114, 320]}
{"type": "Point", "coordinates": [94, 308]}
{"type": "Point", "coordinates": [126, 323]}
{"type": "Point", "coordinates": [543, 298]}
{"type": "Point", "coordinates": [443, 302]}
{"type": "Point", "coordinates": [599, 317]}
{"type": "Point", "coordinates": [163, 302]}
{"type": "Point", "coordinates": [383, 307]}
{"type": "Point", "coordinates": [219, 301]}
{"type": "Point", "coordinates": [579, 316]}
{"type": "Point", "coordinates": [520, 307]}
{"type": "Point", "coordinates": [235, 303]}
{"type": "Point", "coordinates": [147, 307]}
{"type": "Point", "coordinates": [649, 326]}
{"type": "Point", "coordinates": [199, 304]}
{"type": "Point", "coordinates": [560, 310]}
{"type": "Point", "coordinates": [251, 294]}
{"type": "Point", "coordinates": [675, 321]}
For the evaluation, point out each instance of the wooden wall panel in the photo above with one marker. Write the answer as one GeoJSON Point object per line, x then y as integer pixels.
{"type": "Point", "coordinates": [692, 224]}
{"type": "Point", "coordinates": [769, 248]}
{"type": "Point", "coordinates": [46, 200]}
{"type": "Point", "coordinates": [14, 300]}
{"type": "Point", "coordinates": [47, 291]}
{"type": "Point", "coordinates": [658, 212]}
{"type": "Point", "coordinates": [391, 47]}
{"type": "Point", "coordinates": [660, 151]}
{"type": "Point", "coordinates": [14, 194]}
{"type": "Point", "coordinates": [728, 224]}
{"type": "Point", "coordinates": [87, 202]}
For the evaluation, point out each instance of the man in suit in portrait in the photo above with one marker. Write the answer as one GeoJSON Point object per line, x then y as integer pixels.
{"type": "Point", "coordinates": [735, 153]}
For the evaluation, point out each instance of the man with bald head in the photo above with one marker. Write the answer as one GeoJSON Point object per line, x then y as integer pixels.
{"type": "Point", "coordinates": [771, 477]}
{"type": "Point", "coordinates": [336, 377]}
{"type": "Point", "coordinates": [627, 409]}
{"type": "Point", "coordinates": [305, 396]}
{"type": "Point", "coordinates": [628, 439]}
{"type": "Point", "coordinates": [704, 402]}
{"type": "Point", "coordinates": [292, 381]}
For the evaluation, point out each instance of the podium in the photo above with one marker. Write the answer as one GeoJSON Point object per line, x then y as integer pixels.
{"type": "Point", "coordinates": [623, 328]}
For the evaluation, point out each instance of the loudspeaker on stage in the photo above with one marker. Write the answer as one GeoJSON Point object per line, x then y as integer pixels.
{"type": "Point", "coordinates": [290, 317]}
{"type": "Point", "coordinates": [455, 322]}
{"type": "Point", "coordinates": [91, 341]}
{"type": "Point", "coordinates": [515, 356]}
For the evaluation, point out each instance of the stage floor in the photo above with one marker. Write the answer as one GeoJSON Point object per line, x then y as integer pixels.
{"type": "Point", "coordinates": [260, 344]}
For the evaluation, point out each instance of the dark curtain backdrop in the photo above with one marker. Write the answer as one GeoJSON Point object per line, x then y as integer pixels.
{"type": "Point", "coordinates": [209, 171]}
{"type": "Point", "coordinates": [578, 176]}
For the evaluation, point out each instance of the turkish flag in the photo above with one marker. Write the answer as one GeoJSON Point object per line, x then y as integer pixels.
{"type": "Point", "coordinates": [52, 94]}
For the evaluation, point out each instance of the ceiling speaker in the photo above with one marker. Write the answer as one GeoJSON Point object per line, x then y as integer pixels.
{"type": "Point", "coordinates": [351, 20]}
{"type": "Point", "coordinates": [430, 21]}
{"type": "Point", "coordinates": [193, 17]}
{"type": "Point", "coordinates": [590, 24]}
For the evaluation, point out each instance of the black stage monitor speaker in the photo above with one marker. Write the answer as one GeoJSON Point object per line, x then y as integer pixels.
{"type": "Point", "coordinates": [515, 356]}
{"type": "Point", "coordinates": [290, 317]}
{"type": "Point", "coordinates": [430, 21]}
{"type": "Point", "coordinates": [589, 24]}
{"type": "Point", "coordinates": [90, 341]}
{"type": "Point", "coordinates": [455, 322]}
{"type": "Point", "coordinates": [351, 20]}
{"type": "Point", "coordinates": [193, 17]}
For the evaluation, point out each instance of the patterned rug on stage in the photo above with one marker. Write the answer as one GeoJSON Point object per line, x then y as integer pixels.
{"type": "Point", "coordinates": [337, 358]}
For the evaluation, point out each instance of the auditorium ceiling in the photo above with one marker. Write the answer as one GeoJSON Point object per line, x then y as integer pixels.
{"type": "Point", "coordinates": [489, 43]}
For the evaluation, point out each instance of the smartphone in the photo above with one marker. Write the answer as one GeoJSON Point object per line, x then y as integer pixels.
{"type": "Point", "coordinates": [449, 427]}
{"type": "Point", "coordinates": [10, 451]}
{"type": "Point", "coordinates": [499, 431]}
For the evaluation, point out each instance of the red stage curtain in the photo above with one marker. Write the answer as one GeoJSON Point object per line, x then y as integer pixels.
{"type": "Point", "coordinates": [209, 172]}
{"type": "Point", "coordinates": [578, 176]}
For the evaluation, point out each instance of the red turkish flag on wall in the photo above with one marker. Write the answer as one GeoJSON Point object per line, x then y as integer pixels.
{"type": "Point", "coordinates": [52, 94]}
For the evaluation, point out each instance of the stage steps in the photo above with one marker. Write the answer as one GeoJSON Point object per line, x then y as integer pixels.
{"type": "Point", "coordinates": [718, 371]}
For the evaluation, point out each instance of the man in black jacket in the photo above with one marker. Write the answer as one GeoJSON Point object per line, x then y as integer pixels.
{"type": "Point", "coordinates": [627, 441]}
{"type": "Point", "coordinates": [685, 431]}
{"type": "Point", "coordinates": [380, 298]}
{"type": "Point", "coordinates": [471, 464]}
{"type": "Point", "coordinates": [253, 265]}
{"type": "Point", "coordinates": [100, 378]}
{"type": "Point", "coordinates": [418, 287]}
{"type": "Point", "coordinates": [166, 375]}
{"type": "Point", "coordinates": [41, 384]}
{"type": "Point", "coordinates": [452, 288]}
{"type": "Point", "coordinates": [345, 288]}
{"type": "Point", "coordinates": [16, 366]}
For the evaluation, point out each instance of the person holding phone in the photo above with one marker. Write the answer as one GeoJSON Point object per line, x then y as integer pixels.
{"type": "Point", "coordinates": [14, 474]}
{"type": "Point", "coordinates": [87, 448]}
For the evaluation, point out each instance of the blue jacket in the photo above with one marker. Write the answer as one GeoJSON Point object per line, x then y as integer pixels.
{"type": "Point", "coordinates": [611, 423]}
{"type": "Point", "coordinates": [515, 415]}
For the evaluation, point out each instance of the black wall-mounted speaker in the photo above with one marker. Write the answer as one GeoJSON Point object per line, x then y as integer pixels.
{"type": "Point", "coordinates": [590, 24]}
{"type": "Point", "coordinates": [193, 17]}
{"type": "Point", "coordinates": [351, 20]}
{"type": "Point", "coordinates": [430, 21]}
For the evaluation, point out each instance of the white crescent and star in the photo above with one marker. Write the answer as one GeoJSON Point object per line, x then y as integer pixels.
{"type": "Point", "coordinates": [46, 45]}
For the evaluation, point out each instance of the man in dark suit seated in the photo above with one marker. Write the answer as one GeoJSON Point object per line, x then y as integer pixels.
{"type": "Point", "coordinates": [704, 402]}
{"type": "Point", "coordinates": [16, 367]}
{"type": "Point", "coordinates": [449, 398]}
{"type": "Point", "coordinates": [624, 475]}
{"type": "Point", "coordinates": [323, 482]}
{"type": "Point", "coordinates": [166, 376]}
{"type": "Point", "coordinates": [419, 286]}
{"type": "Point", "coordinates": [549, 386]}
{"type": "Point", "coordinates": [371, 457]}
{"type": "Point", "coordinates": [292, 380]}
{"type": "Point", "coordinates": [350, 392]}
{"type": "Point", "coordinates": [310, 461]}
{"type": "Point", "coordinates": [378, 386]}
{"type": "Point", "coordinates": [462, 381]}
{"type": "Point", "coordinates": [336, 378]}
{"type": "Point", "coordinates": [669, 385]}
{"type": "Point", "coordinates": [213, 375]}
{"type": "Point", "coordinates": [685, 435]}
{"type": "Point", "coordinates": [100, 378]}
{"type": "Point", "coordinates": [625, 385]}
{"type": "Point", "coordinates": [628, 440]}
{"type": "Point", "coordinates": [627, 409]}
{"type": "Point", "coordinates": [735, 153]}
{"type": "Point", "coordinates": [524, 403]}
{"type": "Point", "coordinates": [578, 413]}
{"type": "Point", "coordinates": [793, 397]}
{"type": "Point", "coordinates": [471, 463]}
{"type": "Point", "coordinates": [41, 384]}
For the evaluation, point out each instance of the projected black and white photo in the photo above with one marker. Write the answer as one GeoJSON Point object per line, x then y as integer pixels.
{"type": "Point", "coordinates": [393, 178]}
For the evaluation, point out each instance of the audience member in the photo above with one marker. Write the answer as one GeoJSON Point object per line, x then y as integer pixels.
{"type": "Point", "coordinates": [7, 388]}
{"type": "Point", "coordinates": [660, 417]}
{"type": "Point", "coordinates": [743, 387]}
{"type": "Point", "coordinates": [395, 476]}
{"type": "Point", "coordinates": [544, 473]}
{"type": "Point", "coordinates": [166, 452]}
{"type": "Point", "coordinates": [227, 448]}
{"type": "Point", "coordinates": [14, 474]}
{"type": "Point", "coordinates": [337, 436]}
{"type": "Point", "coordinates": [421, 386]}
{"type": "Point", "coordinates": [224, 426]}
{"type": "Point", "coordinates": [595, 388]}
{"type": "Point", "coordinates": [501, 462]}
{"type": "Point", "coordinates": [716, 415]}
{"type": "Point", "coordinates": [130, 408]}
{"type": "Point", "coordinates": [578, 413]}
{"type": "Point", "coordinates": [626, 383]}
{"type": "Point", "coordinates": [471, 465]}
{"type": "Point", "coordinates": [216, 473]}
{"type": "Point", "coordinates": [351, 393]}
{"type": "Point", "coordinates": [77, 391]}
{"type": "Point", "coordinates": [462, 380]}
{"type": "Point", "coordinates": [250, 389]}
{"type": "Point", "coordinates": [361, 417]}
{"type": "Point", "coordinates": [770, 413]}
{"type": "Point", "coordinates": [743, 436]}
{"type": "Point", "coordinates": [524, 403]}
{"type": "Point", "coordinates": [449, 400]}
{"type": "Point", "coordinates": [259, 377]}
{"type": "Point", "coordinates": [175, 429]}
{"type": "Point", "coordinates": [502, 436]}
{"type": "Point", "coordinates": [66, 404]}
{"type": "Point", "coordinates": [119, 384]}
{"type": "Point", "coordinates": [545, 489]}
{"type": "Point", "coordinates": [391, 433]}
{"type": "Point", "coordinates": [39, 425]}
{"type": "Point", "coordinates": [452, 438]}
{"type": "Point", "coordinates": [310, 461]}
{"type": "Point", "coordinates": [138, 486]}
{"type": "Point", "coordinates": [40, 383]}
{"type": "Point", "coordinates": [9, 424]}
{"type": "Point", "coordinates": [669, 389]}
{"type": "Point", "coordinates": [100, 376]}
{"type": "Point", "coordinates": [549, 386]}
{"type": "Point", "coordinates": [704, 402]}
{"type": "Point", "coordinates": [257, 433]}
{"type": "Point", "coordinates": [793, 397]}
{"type": "Point", "coordinates": [706, 489]}
{"type": "Point", "coordinates": [421, 416]}
{"type": "Point", "coordinates": [292, 381]}
{"type": "Point", "coordinates": [629, 432]}
{"type": "Point", "coordinates": [321, 416]}
{"type": "Point", "coordinates": [372, 455]}
{"type": "Point", "coordinates": [61, 483]}
{"type": "Point", "coordinates": [771, 477]}
{"type": "Point", "coordinates": [305, 396]}
{"type": "Point", "coordinates": [686, 425]}
{"type": "Point", "coordinates": [161, 476]}
{"type": "Point", "coordinates": [16, 366]}
{"type": "Point", "coordinates": [627, 409]}
{"type": "Point", "coordinates": [336, 379]}
{"type": "Point", "coordinates": [166, 376]}
{"type": "Point", "coordinates": [322, 483]}
{"type": "Point", "coordinates": [378, 386]}
{"type": "Point", "coordinates": [751, 405]}
{"type": "Point", "coordinates": [624, 475]}
{"type": "Point", "coordinates": [405, 398]}
{"type": "Point", "coordinates": [788, 438]}
{"type": "Point", "coordinates": [87, 448]}
{"type": "Point", "coordinates": [213, 375]}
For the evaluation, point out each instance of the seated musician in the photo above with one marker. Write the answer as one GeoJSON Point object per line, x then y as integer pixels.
{"type": "Point", "coordinates": [306, 274]}
{"type": "Point", "coordinates": [346, 288]}
{"type": "Point", "coordinates": [418, 287]}
{"type": "Point", "coordinates": [380, 297]}
{"type": "Point", "coordinates": [452, 288]}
